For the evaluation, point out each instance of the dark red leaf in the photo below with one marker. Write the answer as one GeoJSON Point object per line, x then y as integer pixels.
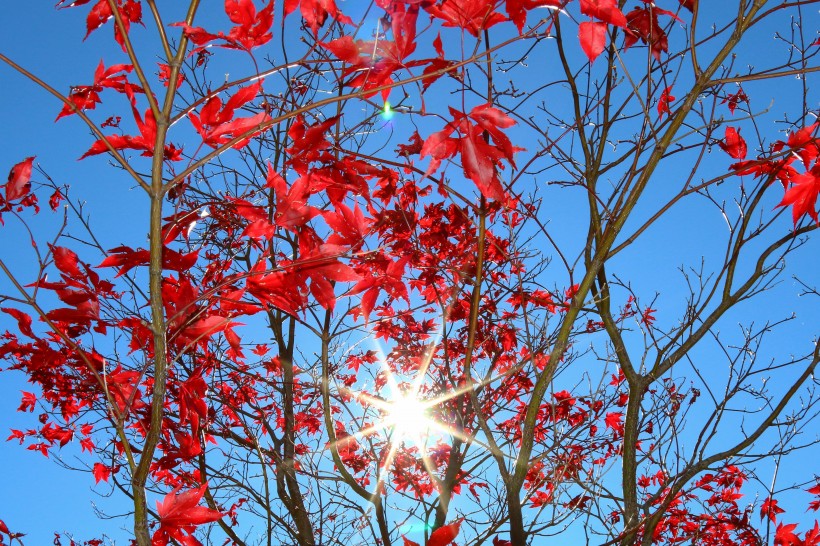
{"type": "Point", "coordinates": [126, 258]}
{"type": "Point", "coordinates": [67, 262]}
{"type": "Point", "coordinates": [315, 12]}
{"type": "Point", "coordinates": [444, 535]}
{"type": "Point", "coordinates": [23, 320]}
{"type": "Point", "coordinates": [733, 144]}
{"type": "Point", "coordinates": [19, 182]}
{"type": "Point", "coordinates": [54, 200]}
{"type": "Point", "coordinates": [642, 23]}
{"type": "Point", "coordinates": [664, 101]}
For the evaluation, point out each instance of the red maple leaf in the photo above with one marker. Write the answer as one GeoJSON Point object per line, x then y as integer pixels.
{"type": "Point", "coordinates": [200, 330]}
{"type": "Point", "coordinates": [145, 141]}
{"type": "Point", "coordinates": [308, 142]}
{"type": "Point", "coordinates": [812, 536]}
{"type": "Point", "coordinates": [23, 320]}
{"type": "Point", "coordinates": [373, 62]}
{"type": "Point", "coordinates": [733, 99]}
{"type": "Point", "coordinates": [614, 420]}
{"type": "Point", "coordinates": [315, 12]}
{"type": "Point", "coordinates": [688, 4]}
{"type": "Point", "coordinates": [279, 289]}
{"type": "Point", "coordinates": [803, 143]}
{"type": "Point", "coordinates": [4, 529]}
{"type": "Point", "coordinates": [733, 144]}
{"type": "Point", "coordinates": [770, 509]}
{"type": "Point", "coordinates": [664, 101]}
{"type": "Point", "coordinates": [349, 226]}
{"type": "Point", "coordinates": [412, 148]}
{"type": "Point", "coordinates": [471, 15]}
{"type": "Point", "coordinates": [383, 274]}
{"type": "Point", "coordinates": [517, 10]}
{"type": "Point", "coordinates": [165, 76]}
{"type": "Point", "coordinates": [345, 49]}
{"type": "Point", "coordinates": [86, 97]}
{"type": "Point", "coordinates": [18, 184]}
{"type": "Point", "coordinates": [28, 402]}
{"type": "Point", "coordinates": [54, 200]}
{"type": "Point", "coordinates": [605, 10]}
{"type": "Point", "coordinates": [216, 124]}
{"type": "Point", "coordinates": [67, 262]}
{"type": "Point", "coordinates": [803, 194]}
{"type": "Point", "coordinates": [198, 35]}
{"type": "Point", "coordinates": [122, 389]}
{"type": "Point", "coordinates": [252, 28]}
{"type": "Point", "coordinates": [179, 515]}
{"type": "Point", "coordinates": [479, 159]}
{"type": "Point", "coordinates": [192, 405]}
{"type": "Point", "coordinates": [593, 38]}
{"type": "Point", "coordinates": [443, 536]}
{"type": "Point", "coordinates": [292, 210]}
{"type": "Point", "coordinates": [101, 13]}
{"type": "Point", "coordinates": [127, 258]}
{"type": "Point", "coordinates": [642, 23]}
{"type": "Point", "coordinates": [319, 263]}
{"type": "Point", "coordinates": [101, 472]}
{"type": "Point", "coordinates": [784, 536]}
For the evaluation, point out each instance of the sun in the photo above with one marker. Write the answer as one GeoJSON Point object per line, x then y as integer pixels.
{"type": "Point", "coordinates": [409, 418]}
{"type": "Point", "coordinates": [407, 411]}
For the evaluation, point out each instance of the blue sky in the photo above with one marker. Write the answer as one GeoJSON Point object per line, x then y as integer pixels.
{"type": "Point", "coordinates": [39, 498]}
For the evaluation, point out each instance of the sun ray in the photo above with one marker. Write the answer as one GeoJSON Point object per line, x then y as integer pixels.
{"type": "Point", "coordinates": [405, 411]}
{"type": "Point", "coordinates": [384, 468]}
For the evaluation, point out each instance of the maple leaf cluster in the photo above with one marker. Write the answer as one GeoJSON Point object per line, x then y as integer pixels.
{"type": "Point", "coordinates": [252, 27]}
{"type": "Point", "coordinates": [642, 23]}
{"type": "Point", "coordinates": [130, 12]}
{"type": "Point", "coordinates": [480, 160]}
{"type": "Point", "coordinates": [802, 188]}
{"type": "Point", "coordinates": [18, 187]}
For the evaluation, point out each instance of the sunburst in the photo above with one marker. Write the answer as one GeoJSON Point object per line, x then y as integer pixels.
{"type": "Point", "coordinates": [407, 415]}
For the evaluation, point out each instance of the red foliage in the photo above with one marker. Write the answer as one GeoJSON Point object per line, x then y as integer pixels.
{"type": "Point", "coordinates": [179, 514]}
{"type": "Point", "coordinates": [153, 360]}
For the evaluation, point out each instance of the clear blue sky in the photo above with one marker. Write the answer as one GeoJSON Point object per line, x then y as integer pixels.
{"type": "Point", "coordinates": [36, 496]}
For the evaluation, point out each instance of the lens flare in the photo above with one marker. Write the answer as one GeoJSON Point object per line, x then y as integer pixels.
{"type": "Point", "coordinates": [387, 112]}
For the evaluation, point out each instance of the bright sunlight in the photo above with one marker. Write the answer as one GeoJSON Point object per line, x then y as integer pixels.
{"type": "Point", "coordinates": [408, 417]}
